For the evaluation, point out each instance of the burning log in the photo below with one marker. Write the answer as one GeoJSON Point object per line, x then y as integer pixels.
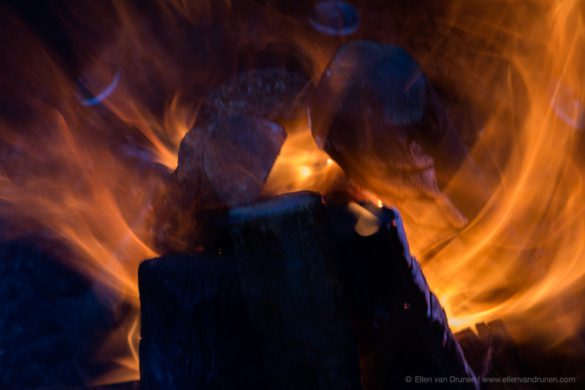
{"type": "Point", "coordinates": [375, 113]}
{"type": "Point", "coordinates": [195, 328]}
{"type": "Point", "coordinates": [401, 327]}
{"type": "Point", "coordinates": [308, 281]}
{"type": "Point", "coordinates": [293, 293]}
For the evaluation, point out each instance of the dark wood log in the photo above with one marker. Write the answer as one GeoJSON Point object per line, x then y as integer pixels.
{"type": "Point", "coordinates": [283, 307]}
{"type": "Point", "coordinates": [195, 328]}
{"type": "Point", "coordinates": [293, 293]}
{"type": "Point", "coordinates": [402, 329]}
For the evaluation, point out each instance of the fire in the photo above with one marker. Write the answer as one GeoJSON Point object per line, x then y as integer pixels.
{"type": "Point", "coordinates": [521, 258]}
{"type": "Point", "coordinates": [88, 168]}
{"type": "Point", "coordinates": [302, 166]}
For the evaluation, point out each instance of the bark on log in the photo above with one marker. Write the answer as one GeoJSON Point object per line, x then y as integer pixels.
{"type": "Point", "coordinates": [195, 329]}
{"type": "Point", "coordinates": [293, 294]}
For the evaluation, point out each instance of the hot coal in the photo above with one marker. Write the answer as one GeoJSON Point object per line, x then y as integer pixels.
{"type": "Point", "coordinates": [195, 329]}
{"type": "Point", "coordinates": [377, 115]}
{"type": "Point", "coordinates": [336, 18]}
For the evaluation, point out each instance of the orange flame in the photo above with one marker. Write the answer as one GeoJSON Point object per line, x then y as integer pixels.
{"type": "Point", "coordinates": [520, 258]}
{"type": "Point", "coordinates": [87, 171]}
{"type": "Point", "coordinates": [302, 166]}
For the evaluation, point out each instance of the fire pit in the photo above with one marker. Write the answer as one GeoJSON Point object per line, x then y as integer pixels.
{"type": "Point", "coordinates": [218, 195]}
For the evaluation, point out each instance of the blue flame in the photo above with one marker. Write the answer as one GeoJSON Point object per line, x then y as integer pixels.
{"type": "Point", "coordinates": [103, 95]}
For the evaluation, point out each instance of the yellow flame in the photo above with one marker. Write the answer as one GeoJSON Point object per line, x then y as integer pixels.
{"type": "Point", "coordinates": [301, 165]}
{"type": "Point", "coordinates": [521, 258]}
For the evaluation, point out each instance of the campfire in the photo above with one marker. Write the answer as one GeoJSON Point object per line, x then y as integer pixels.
{"type": "Point", "coordinates": [310, 194]}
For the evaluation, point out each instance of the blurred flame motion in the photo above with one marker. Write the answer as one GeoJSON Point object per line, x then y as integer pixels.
{"type": "Point", "coordinates": [521, 258]}
{"type": "Point", "coordinates": [89, 173]}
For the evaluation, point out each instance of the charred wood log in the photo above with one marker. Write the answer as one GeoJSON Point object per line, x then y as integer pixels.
{"type": "Point", "coordinates": [304, 271]}
{"type": "Point", "coordinates": [195, 329]}
{"type": "Point", "coordinates": [401, 327]}
{"type": "Point", "coordinates": [293, 293]}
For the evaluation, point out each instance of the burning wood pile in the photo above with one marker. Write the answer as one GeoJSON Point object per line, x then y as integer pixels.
{"type": "Point", "coordinates": [237, 181]}
{"type": "Point", "coordinates": [286, 291]}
